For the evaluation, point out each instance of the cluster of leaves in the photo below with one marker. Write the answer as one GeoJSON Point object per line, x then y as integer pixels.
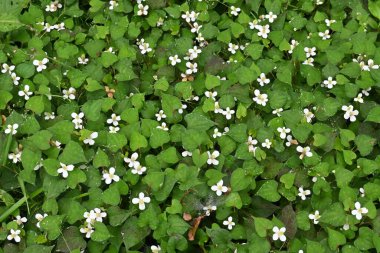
{"type": "Point", "coordinates": [258, 136]}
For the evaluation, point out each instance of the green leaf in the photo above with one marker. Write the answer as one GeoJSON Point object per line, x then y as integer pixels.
{"type": "Point", "coordinates": [38, 249]}
{"type": "Point", "coordinates": [101, 159]}
{"type": "Point", "coordinates": [268, 191]}
{"type": "Point", "coordinates": [240, 180]}
{"type": "Point", "coordinates": [135, 233]}
{"type": "Point", "coordinates": [158, 138]}
{"type": "Point", "coordinates": [233, 200]}
{"type": "Point", "coordinates": [9, 22]}
{"type": "Point", "coordinates": [138, 141]}
{"type": "Point", "coordinates": [92, 109]}
{"type": "Point", "coordinates": [374, 114]}
{"type": "Point", "coordinates": [36, 104]}
{"type": "Point", "coordinates": [101, 232]}
{"type": "Point", "coordinates": [374, 8]}
{"type": "Point", "coordinates": [198, 122]}
{"type": "Point", "coordinates": [335, 239]}
{"type": "Point", "coordinates": [52, 224]}
{"type": "Point", "coordinates": [212, 81]}
{"type": "Point", "coordinates": [334, 215]}
{"type": "Point", "coordinates": [41, 139]}
{"type": "Point", "coordinates": [5, 97]}
{"type": "Point", "coordinates": [161, 84]}
{"type": "Point", "coordinates": [262, 225]}
{"type": "Point", "coordinates": [365, 144]}
{"type": "Point", "coordinates": [72, 154]}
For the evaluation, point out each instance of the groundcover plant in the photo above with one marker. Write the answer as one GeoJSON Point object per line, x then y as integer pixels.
{"type": "Point", "coordinates": [189, 126]}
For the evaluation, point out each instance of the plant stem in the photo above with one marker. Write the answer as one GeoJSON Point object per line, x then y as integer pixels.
{"type": "Point", "coordinates": [19, 203]}
{"type": "Point", "coordinates": [6, 150]}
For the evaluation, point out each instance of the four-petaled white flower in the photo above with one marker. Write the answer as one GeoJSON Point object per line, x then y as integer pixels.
{"type": "Point", "coordinates": [16, 156]}
{"type": "Point", "coordinates": [83, 60]}
{"type": "Point", "coordinates": [174, 60]}
{"type": "Point", "coordinates": [144, 47]}
{"type": "Point", "coordinates": [229, 223]}
{"type": "Point", "coordinates": [235, 10]}
{"type": "Point", "coordinates": [271, 17]}
{"type": "Point", "coordinates": [303, 193]}
{"type": "Point", "coordinates": [196, 27]}
{"type": "Point", "coordinates": [69, 94]}
{"type": "Point", "coordinates": [14, 235]}
{"type": "Point", "coordinates": [211, 94]}
{"type": "Point", "coordinates": [212, 157]}
{"type": "Point", "coordinates": [329, 22]}
{"type": "Point", "coordinates": [94, 215]}
{"type": "Point", "coordinates": [163, 127]}
{"type": "Point", "coordinates": [143, 10]}
{"type": "Point", "coordinates": [110, 176]}
{"type": "Point", "coordinates": [15, 79]}
{"type": "Point", "coordinates": [350, 113]}
{"type": "Point", "coordinates": [11, 129]}
{"type": "Point", "coordinates": [263, 31]}
{"type": "Point", "coordinates": [41, 65]}
{"type": "Point", "coordinates": [309, 61]}
{"type": "Point", "coordinates": [359, 98]}
{"type": "Point", "coordinates": [329, 83]}
{"type": "Point", "coordinates": [359, 211]}
{"type": "Point", "coordinates": [87, 229]}
{"type": "Point", "coordinates": [132, 162]}
{"type": "Point", "coordinates": [308, 115]}
{"type": "Point", "coordinates": [283, 132]}
{"type": "Point", "coordinates": [290, 141]}
{"type": "Point", "coordinates": [6, 68]}
{"type": "Point", "coordinates": [49, 115]}
{"type": "Point", "coordinates": [160, 115]}
{"type": "Point", "coordinates": [278, 111]}
{"type": "Point", "coordinates": [293, 45]}
{"type": "Point", "coordinates": [232, 48]}
{"type": "Point", "coordinates": [138, 169]}
{"type": "Point", "coordinates": [208, 209]}
{"type": "Point", "coordinates": [191, 68]}
{"type": "Point", "coordinates": [114, 120]}
{"type": "Point", "coordinates": [25, 92]}
{"type": "Point", "coordinates": [113, 4]}
{"type": "Point", "coordinates": [141, 200]}
{"type": "Point", "coordinates": [77, 120]}
{"type": "Point", "coordinates": [324, 35]}
{"type": "Point", "coordinates": [21, 220]}
{"type": "Point", "coordinates": [263, 79]}
{"type": "Point", "coordinates": [64, 170]}
{"type": "Point", "coordinates": [90, 140]}
{"type": "Point", "coordinates": [216, 133]}
{"type": "Point", "coordinates": [315, 217]}
{"type": "Point", "coordinates": [183, 107]}
{"type": "Point", "coordinates": [266, 144]}
{"type": "Point", "coordinates": [186, 153]}
{"type": "Point", "coordinates": [279, 233]}
{"type": "Point", "coordinates": [113, 130]}
{"type": "Point", "coordinates": [53, 6]}
{"type": "Point", "coordinates": [304, 152]}
{"type": "Point", "coordinates": [252, 144]}
{"type": "Point", "coordinates": [310, 51]}
{"type": "Point", "coordinates": [40, 217]}
{"type": "Point", "coordinates": [219, 188]}
{"type": "Point", "coordinates": [155, 249]}
{"type": "Point", "coordinates": [228, 113]}
{"type": "Point", "coordinates": [260, 99]}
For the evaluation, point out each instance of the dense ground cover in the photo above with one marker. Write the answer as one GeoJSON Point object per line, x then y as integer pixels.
{"type": "Point", "coordinates": [189, 126]}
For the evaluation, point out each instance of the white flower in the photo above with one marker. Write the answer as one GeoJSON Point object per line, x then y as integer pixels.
{"type": "Point", "coordinates": [315, 217]}
{"type": "Point", "coordinates": [11, 129]}
{"type": "Point", "coordinates": [359, 98]}
{"type": "Point", "coordinates": [77, 119]}
{"type": "Point", "coordinates": [113, 130]}
{"type": "Point", "coordinates": [25, 93]}
{"type": "Point", "coordinates": [266, 144]}
{"type": "Point", "coordinates": [90, 139]}
{"type": "Point", "coordinates": [350, 113]}
{"type": "Point", "coordinates": [53, 6]}
{"type": "Point", "coordinates": [40, 217]}
{"type": "Point", "coordinates": [48, 27]}
{"type": "Point", "coordinates": [64, 170]}
{"type": "Point", "coordinates": [113, 4]}
{"type": "Point", "coordinates": [309, 61]}
{"type": "Point", "coordinates": [191, 68]}
{"type": "Point", "coordinates": [329, 22]}
{"type": "Point", "coordinates": [160, 22]}
{"type": "Point", "coordinates": [271, 17]}
{"type": "Point", "coordinates": [251, 144]}
{"type": "Point", "coordinates": [372, 65]}
{"type": "Point", "coordinates": [196, 27]}
{"type": "Point", "coordinates": [183, 107]}
{"type": "Point", "coordinates": [144, 47]}
{"type": "Point", "coordinates": [69, 94]}
{"type": "Point", "coordinates": [304, 151]}
{"type": "Point", "coordinates": [163, 127]}
{"type": "Point", "coordinates": [362, 192]}
{"type": "Point", "coordinates": [88, 229]}
{"type": "Point", "coordinates": [143, 10]}
{"type": "Point", "coordinates": [229, 223]}
{"type": "Point", "coordinates": [253, 24]}
{"type": "Point", "coordinates": [193, 53]}
{"type": "Point", "coordinates": [293, 45]}
{"type": "Point", "coordinates": [21, 220]}
{"type": "Point", "coordinates": [14, 235]}
{"type": "Point", "coordinates": [359, 211]}
{"type": "Point", "coordinates": [57, 144]}
{"type": "Point", "coordinates": [94, 215]}
{"type": "Point", "coordinates": [310, 52]}
{"type": "Point", "coordinates": [216, 133]}
{"type": "Point", "coordinates": [209, 209]}
{"type": "Point", "coordinates": [260, 99]}
{"type": "Point", "coordinates": [283, 131]}
{"type": "Point", "coordinates": [263, 31]}
{"type": "Point", "coordinates": [110, 176]}
{"type": "Point", "coordinates": [277, 111]}
{"type": "Point", "coordinates": [160, 115]}
{"type": "Point", "coordinates": [132, 162]}
{"type": "Point", "coordinates": [346, 226]}
{"type": "Point", "coordinates": [114, 120]}
{"type": "Point", "coordinates": [82, 60]}
{"type": "Point", "coordinates": [279, 233]}
{"type": "Point", "coordinates": [15, 78]}
{"type": "Point", "coordinates": [263, 79]}
{"type": "Point", "coordinates": [217, 107]}
{"type": "Point", "coordinates": [329, 83]}
{"type": "Point", "coordinates": [41, 65]}
{"type": "Point", "coordinates": [219, 188]}
{"type": "Point", "coordinates": [308, 115]}
{"type": "Point", "coordinates": [303, 193]}
{"type": "Point", "coordinates": [15, 157]}
{"type": "Point", "coordinates": [155, 249]}
{"type": "Point", "coordinates": [228, 113]}
{"type": "Point", "coordinates": [6, 68]}
{"type": "Point", "coordinates": [138, 169]}
{"type": "Point", "coordinates": [186, 153]}
{"type": "Point", "coordinates": [60, 26]}
{"type": "Point", "coordinates": [188, 17]}
{"type": "Point", "coordinates": [324, 35]}
{"type": "Point", "coordinates": [235, 11]}
{"type": "Point", "coordinates": [211, 94]}
{"type": "Point", "coordinates": [49, 115]}
{"type": "Point", "coordinates": [290, 141]}
{"type": "Point", "coordinates": [366, 91]}
{"type": "Point", "coordinates": [141, 200]}
{"type": "Point", "coordinates": [174, 60]}
{"type": "Point", "coordinates": [212, 157]}
{"type": "Point", "coordinates": [232, 48]}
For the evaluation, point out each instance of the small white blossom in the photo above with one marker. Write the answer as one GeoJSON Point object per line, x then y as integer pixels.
{"type": "Point", "coordinates": [229, 223]}
{"type": "Point", "coordinates": [254, 24]}
{"type": "Point", "coordinates": [350, 113]}
{"type": "Point", "coordinates": [90, 140]}
{"type": "Point", "coordinates": [304, 152]}
{"type": "Point", "coordinates": [143, 10]}
{"type": "Point", "coordinates": [329, 83]}
{"type": "Point", "coordinates": [219, 188]}
{"type": "Point", "coordinates": [372, 65]}
{"type": "Point", "coordinates": [15, 78]}
{"type": "Point", "coordinates": [283, 132]}
{"type": "Point", "coordinates": [21, 220]}
{"type": "Point", "coordinates": [88, 229]}
{"type": "Point", "coordinates": [263, 31]}
{"type": "Point", "coordinates": [260, 99]}
{"type": "Point", "coordinates": [329, 22]}
{"type": "Point", "coordinates": [303, 193]}
{"type": "Point", "coordinates": [228, 113]}
{"type": "Point", "coordinates": [132, 162]}
{"type": "Point", "coordinates": [266, 144]}
{"type": "Point", "coordinates": [155, 249]}
{"type": "Point", "coordinates": [359, 211]}
{"type": "Point", "coordinates": [359, 98]}
{"type": "Point", "coordinates": [232, 48]}
{"type": "Point", "coordinates": [186, 153]}
{"type": "Point", "coordinates": [138, 169]}
{"type": "Point", "coordinates": [160, 115]}
{"type": "Point", "coordinates": [39, 217]}
{"type": "Point", "coordinates": [208, 209]}
{"type": "Point", "coordinates": [113, 4]}
{"type": "Point", "coordinates": [308, 115]}
{"type": "Point", "coordinates": [163, 127]}
{"type": "Point", "coordinates": [64, 170]}
{"type": "Point", "coordinates": [110, 176]}
{"type": "Point", "coordinates": [77, 119]}
{"type": "Point", "coordinates": [293, 45]}
{"type": "Point", "coordinates": [141, 200]}
{"type": "Point", "coordinates": [263, 79]}
{"type": "Point", "coordinates": [216, 133]}
{"type": "Point", "coordinates": [366, 91]}
{"type": "Point", "coordinates": [114, 120]}
{"type": "Point", "coordinates": [41, 65]}
{"type": "Point", "coordinates": [53, 6]}
{"type": "Point", "coordinates": [6, 68]}
{"type": "Point", "coordinates": [174, 60]}
{"type": "Point", "coordinates": [69, 94]}
{"type": "Point", "coordinates": [315, 217]}
{"type": "Point", "coordinates": [290, 141]}
{"type": "Point", "coordinates": [14, 235]}
{"type": "Point", "coordinates": [212, 157]}
{"type": "Point", "coordinates": [251, 144]}
{"type": "Point", "coordinates": [60, 26]}
{"type": "Point", "coordinates": [191, 68]}
{"type": "Point", "coordinates": [25, 92]}
{"type": "Point", "coordinates": [324, 35]}
{"type": "Point", "coordinates": [211, 94]}
{"type": "Point", "coordinates": [83, 60]}
{"type": "Point", "coordinates": [277, 111]}
{"type": "Point", "coordinates": [193, 53]}
{"type": "Point", "coordinates": [217, 107]}
{"type": "Point", "coordinates": [310, 51]}
{"type": "Point", "coordinates": [346, 226]}
{"type": "Point", "coordinates": [113, 130]}
{"type": "Point", "coordinates": [11, 129]}
{"type": "Point", "coordinates": [196, 27]}
{"type": "Point", "coordinates": [271, 17]}
{"type": "Point", "coordinates": [235, 10]}
{"type": "Point", "coordinates": [49, 115]}
{"type": "Point", "coordinates": [279, 233]}
{"type": "Point", "coordinates": [183, 107]}
{"type": "Point", "coordinates": [144, 47]}
{"type": "Point", "coordinates": [309, 61]}
{"type": "Point", "coordinates": [16, 156]}
{"type": "Point", "coordinates": [362, 192]}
